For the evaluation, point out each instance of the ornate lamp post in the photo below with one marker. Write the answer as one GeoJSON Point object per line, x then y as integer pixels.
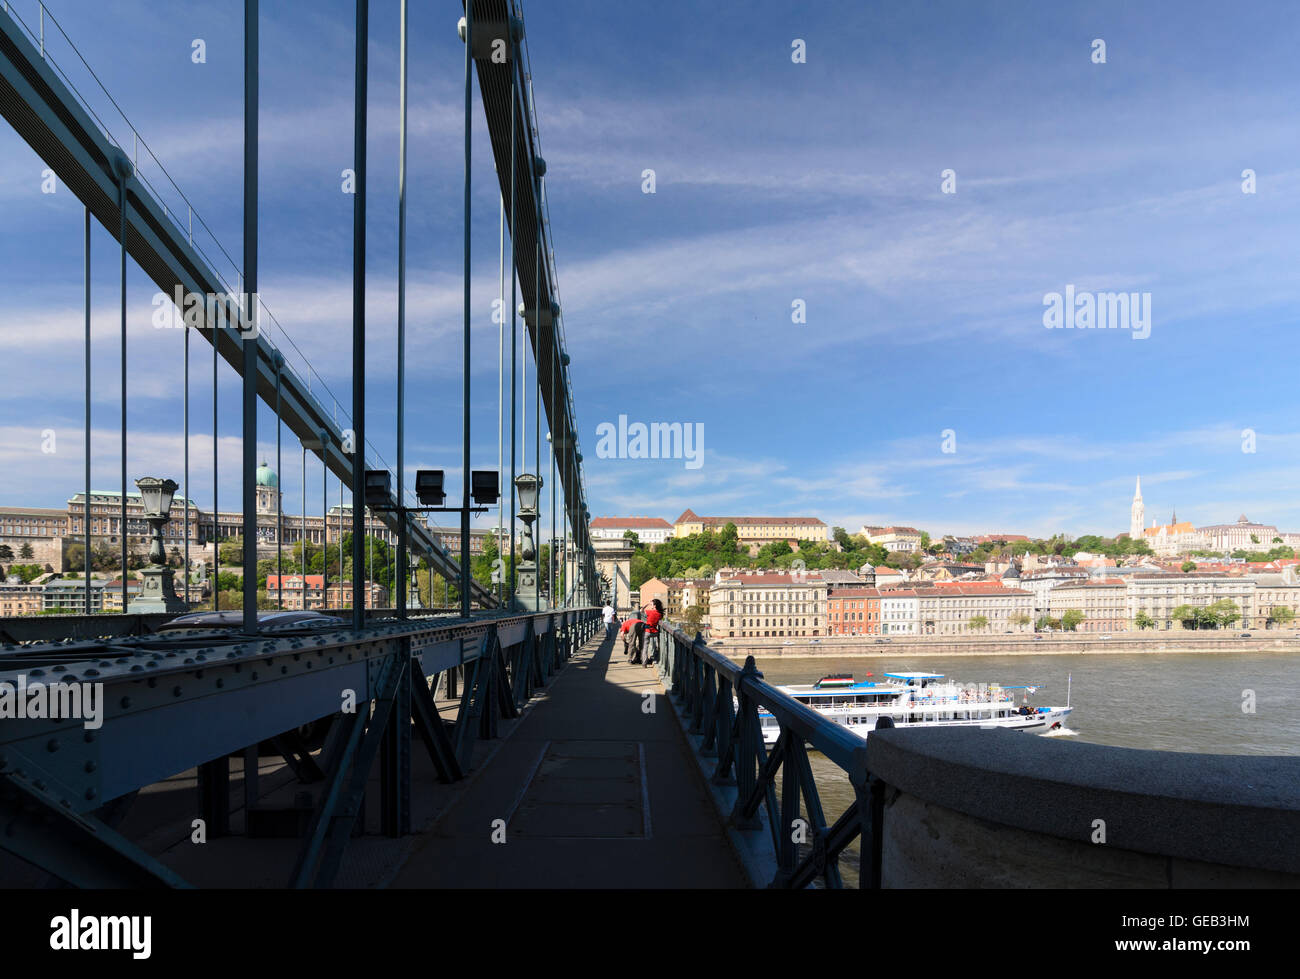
{"type": "Point", "coordinates": [159, 592]}
{"type": "Point", "coordinates": [526, 591]}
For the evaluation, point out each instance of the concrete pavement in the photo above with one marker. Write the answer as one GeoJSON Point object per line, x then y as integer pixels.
{"type": "Point", "coordinates": [593, 788]}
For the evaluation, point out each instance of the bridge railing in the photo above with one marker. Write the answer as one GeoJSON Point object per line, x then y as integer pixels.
{"type": "Point", "coordinates": [170, 703]}
{"type": "Point", "coordinates": [789, 839]}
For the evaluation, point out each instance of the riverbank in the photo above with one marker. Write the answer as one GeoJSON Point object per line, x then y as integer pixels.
{"type": "Point", "coordinates": [923, 646]}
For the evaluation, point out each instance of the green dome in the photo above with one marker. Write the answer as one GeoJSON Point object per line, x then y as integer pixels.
{"type": "Point", "coordinates": [266, 476]}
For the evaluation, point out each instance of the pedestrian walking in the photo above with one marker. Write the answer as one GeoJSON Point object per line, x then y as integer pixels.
{"type": "Point", "coordinates": [608, 613]}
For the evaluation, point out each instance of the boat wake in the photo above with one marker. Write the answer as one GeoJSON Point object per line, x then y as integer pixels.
{"type": "Point", "coordinates": [1061, 732]}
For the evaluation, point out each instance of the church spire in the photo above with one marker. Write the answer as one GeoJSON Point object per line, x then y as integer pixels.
{"type": "Point", "coordinates": [1136, 513]}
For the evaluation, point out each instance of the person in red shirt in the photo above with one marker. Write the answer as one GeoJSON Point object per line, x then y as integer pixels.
{"type": "Point", "coordinates": [632, 630]}
{"type": "Point", "coordinates": [654, 613]}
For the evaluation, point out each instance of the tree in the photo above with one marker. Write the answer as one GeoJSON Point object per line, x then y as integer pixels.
{"type": "Point", "coordinates": [693, 619]}
{"type": "Point", "coordinates": [6, 553]}
{"type": "Point", "coordinates": [231, 553]}
{"type": "Point", "coordinates": [1254, 539]}
{"type": "Point", "coordinates": [1187, 615]}
{"type": "Point", "coordinates": [977, 622]}
{"type": "Point", "coordinates": [1281, 614]}
{"type": "Point", "coordinates": [1071, 619]}
{"type": "Point", "coordinates": [25, 552]}
{"type": "Point", "coordinates": [1223, 613]}
{"type": "Point", "coordinates": [1143, 621]}
{"type": "Point", "coordinates": [631, 535]}
{"type": "Point", "coordinates": [1021, 619]}
{"type": "Point", "coordinates": [925, 541]}
{"type": "Point", "coordinates": [1188, 566]}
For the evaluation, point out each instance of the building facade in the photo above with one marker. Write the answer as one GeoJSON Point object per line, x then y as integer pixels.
{"type": "Point", "coordinates": [754, 532]}
{"type": "Point", "coordinates": [904, 540]}
{"type": "Point", "coordinates": [752, 606]}
{"type": "Point", "coordinates": [1103, 604]}
{"type": "Point", "coordinates": [648, 530]}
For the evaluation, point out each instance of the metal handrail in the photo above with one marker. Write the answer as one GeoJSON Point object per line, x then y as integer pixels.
{"type": "Point", "coordinates": [720, 704]}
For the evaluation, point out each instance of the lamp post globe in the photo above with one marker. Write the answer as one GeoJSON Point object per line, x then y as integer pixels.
{"type": "Point", "coordinates": [158, 592]}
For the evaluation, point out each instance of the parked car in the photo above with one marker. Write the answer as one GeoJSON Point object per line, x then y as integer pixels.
{"type": "Point", "coordinates": [1103, 637]}
{"type": "Point", "coordinates": [1245, 635]}
{"type": "Point", "coordinates": [880, 640]}
{"type": "Point", "coordinates": [1038, 638]}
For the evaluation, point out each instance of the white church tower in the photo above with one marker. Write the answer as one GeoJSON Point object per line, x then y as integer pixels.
{"type": "Point", "coordinates": [1137, 513]}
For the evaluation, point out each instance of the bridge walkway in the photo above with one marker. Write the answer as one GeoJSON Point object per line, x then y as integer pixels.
{"type": "Point", "coordinates": [593, 788]}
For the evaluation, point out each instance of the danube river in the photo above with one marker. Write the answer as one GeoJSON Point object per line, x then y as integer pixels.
{"type": "Point", "coordinates": [1169, 702]}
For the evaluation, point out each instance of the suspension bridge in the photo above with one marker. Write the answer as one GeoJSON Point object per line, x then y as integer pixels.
{"type": "Point", "coordinates": [502, 741]}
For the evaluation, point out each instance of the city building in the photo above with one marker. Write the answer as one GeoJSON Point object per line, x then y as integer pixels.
{"type": "Point", "coordinates": [17, 598]}
{"type": "Point", "coordinates": [1158, 595]}
{"type": "Point", "coordinates": [1103, 603]}
{"type": "Point", "coordinates": [1241, 536]}
{"type": "Point", "coordinates": [1275, 591]}
{"type": "Point", "coordinates": [949, 609]}
{"type": "Point", "coordinates": [837, 580]}
{"type": "Point", "coordinates": [313, 595]}
{"type": "Point", "coordinates": [886, 577]}
{"type": "Point", "coordinates": [113, 594]}
{"type": "Point", "coordinates": [648, 530]}
{"type": "Point", "coordinates": [899, 612]}
{"type": "Point", "coordinates": [38, 531]}
{"type": "Point", "coordinates": [1040, 581]}
{"type": "Point", "coordinates": [1175, 537]}
{"type": "Point", "coordinates": [853, 612]}
{"type": "Point", "coordinates": [70, 595]}
{"type": "Point", "coordinates": [904, 540]}
{"type": "Point", "coordinates": [754, 532]}
{"type": "Point", "coordinates": [760, 605]}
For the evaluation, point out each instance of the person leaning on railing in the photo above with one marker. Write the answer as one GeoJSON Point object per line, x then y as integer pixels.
{"type": "Point", "coordinates": [632, 631]}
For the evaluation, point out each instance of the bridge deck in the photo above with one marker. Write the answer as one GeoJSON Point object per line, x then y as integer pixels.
{"type": "Point", "coordinates": [593, 791]}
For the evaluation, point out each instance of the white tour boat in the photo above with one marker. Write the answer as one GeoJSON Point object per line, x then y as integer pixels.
{"type": "Point", "coordinates": [917, 700]}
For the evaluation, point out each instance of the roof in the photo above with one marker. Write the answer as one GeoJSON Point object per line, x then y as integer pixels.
{"type": "Point", "coordinates": [689, 517]}
{"type": "Point", "coordinates": [838, 574]}
{"type": "Point", "coordinates": [773, 579]}
{"type": "Point", "coordinates": [645, 523]}
{"type": "Point", "coordinates": [915, 676]}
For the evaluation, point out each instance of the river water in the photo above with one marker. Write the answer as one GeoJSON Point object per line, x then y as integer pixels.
{"type": "Point", "coordinates": [1170, 701]}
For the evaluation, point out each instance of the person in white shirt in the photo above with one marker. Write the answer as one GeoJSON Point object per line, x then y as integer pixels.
{"type": "Point", "coordinates": [608, 612]}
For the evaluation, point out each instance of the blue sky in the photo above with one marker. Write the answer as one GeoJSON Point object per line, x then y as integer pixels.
{"type": "Point", "coordinates": [775, 181]}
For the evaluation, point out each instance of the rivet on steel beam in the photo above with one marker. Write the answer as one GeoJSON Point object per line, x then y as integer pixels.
{"type": "Point", "coordinates": [52, 744]}
{"type": "Point", "coordinates": [125, 702]}
{"type": "Point", "coordinates": [91, 793]}
{"type": "Point", "coordinates": [90, 766]}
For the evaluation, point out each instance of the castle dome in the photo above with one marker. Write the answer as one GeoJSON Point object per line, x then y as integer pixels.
{"type": "Point", "coordinates": [266, 476]}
